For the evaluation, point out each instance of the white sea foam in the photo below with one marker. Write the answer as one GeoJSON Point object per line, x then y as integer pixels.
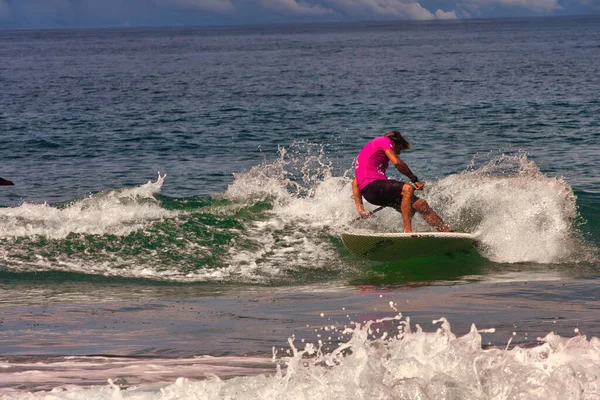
{"type": "Point", "coordinates": [114, 212]}
{"type": "Point", "coordinates": [79, 372]}
{"type": "Point", "coordinates": [387, 359]}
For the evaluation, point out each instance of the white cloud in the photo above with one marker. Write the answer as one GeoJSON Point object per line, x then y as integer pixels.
{"type": "Point", "coordinates": [381, 9]}
{"type": "Point", "coordinates": [220, 6]}
{"type": "Point", "coordinates": [82, 12]}
{"type": "Point", "coordinates": [393, 9]}
{"type": "Point", "coordinates": [292, 7]}
{"type": "Point", "coordinates": [539, 6]}
{"type": "Point", "coordinates": [440, 14]}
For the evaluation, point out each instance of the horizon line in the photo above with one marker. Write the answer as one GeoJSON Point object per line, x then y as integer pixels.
{"type": "Point", "coordinates": [304, 23]}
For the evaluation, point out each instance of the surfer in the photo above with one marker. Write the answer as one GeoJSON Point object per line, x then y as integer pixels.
{"type": "Point", "coordinates": [372, 183]}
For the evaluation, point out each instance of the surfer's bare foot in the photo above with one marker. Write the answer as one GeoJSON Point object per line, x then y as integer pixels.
{"type": "Point", "coordinates": [364, 214]}
{"type": "Point", "coordinates": [444, 228]}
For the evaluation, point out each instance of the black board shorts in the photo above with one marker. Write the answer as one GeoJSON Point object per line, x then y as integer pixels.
{"type": "Point", "coordinates": [384, 193]}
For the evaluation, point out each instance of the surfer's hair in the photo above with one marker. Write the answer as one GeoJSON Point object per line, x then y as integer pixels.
{"type": "Point", "coordinates": [399, 140]}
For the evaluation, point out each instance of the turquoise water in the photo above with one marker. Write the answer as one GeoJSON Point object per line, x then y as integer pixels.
{"type": "Point", "coordinates": [179, 195]}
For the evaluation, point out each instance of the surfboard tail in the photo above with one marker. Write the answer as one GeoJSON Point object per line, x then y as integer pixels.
{"type": "Point", "coordinates": [4, 182]}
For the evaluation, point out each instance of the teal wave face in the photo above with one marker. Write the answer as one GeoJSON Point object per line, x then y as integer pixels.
{"type": "Point", "coordinates": [589, 215]}
{"type": "Point", "coordinates": [191, 243]}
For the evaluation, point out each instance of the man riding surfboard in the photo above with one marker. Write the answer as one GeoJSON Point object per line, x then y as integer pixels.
{"type": "Point", "coordinates": [372, 183]}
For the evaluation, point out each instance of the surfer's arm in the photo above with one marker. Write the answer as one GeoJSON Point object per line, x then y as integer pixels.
{"type": "Point", "coordinates": [358, 200]}
{"type": "Point", "coordinates": [403, 168]}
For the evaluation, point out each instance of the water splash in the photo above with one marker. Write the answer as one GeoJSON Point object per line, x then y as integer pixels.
{"type": "Point", "coordinates": [517, 212]}
{"type": "Point", "coordinates": [385, 359]}
{"type": "Point", "coordinates": [309, 205]}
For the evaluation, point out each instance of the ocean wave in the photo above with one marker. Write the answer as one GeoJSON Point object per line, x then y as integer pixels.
{"type": "Point", "coordinates": [279, 222]}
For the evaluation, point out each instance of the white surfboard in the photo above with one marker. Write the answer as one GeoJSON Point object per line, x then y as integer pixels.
{"type": "Point", "coordinates": [400, 246]}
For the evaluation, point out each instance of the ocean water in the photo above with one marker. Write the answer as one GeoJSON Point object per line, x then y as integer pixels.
{"type": "Point", "coordinates": [179, 195]}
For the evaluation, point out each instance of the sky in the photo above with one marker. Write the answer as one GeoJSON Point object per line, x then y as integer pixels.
{"type": "Point", "coordinates": [52, 14]}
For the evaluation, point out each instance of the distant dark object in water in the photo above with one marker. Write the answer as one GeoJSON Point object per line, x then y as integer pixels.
{"type": "Point", "coordinates": [4, 182]}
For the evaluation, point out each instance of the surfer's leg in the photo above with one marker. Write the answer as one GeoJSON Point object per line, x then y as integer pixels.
{"type": "Point", "coordinates": [406, 206]}
{"type": "Point", "coordinates": [421, 206]}
{"type": "Point", "coordinates": [392, 193]}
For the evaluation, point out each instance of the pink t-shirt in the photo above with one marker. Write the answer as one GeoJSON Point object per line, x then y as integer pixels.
{"type": "Point", "coordinates": [372, 162]}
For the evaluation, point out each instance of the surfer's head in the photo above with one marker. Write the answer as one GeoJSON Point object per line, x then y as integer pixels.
{"type": "Point", "coordinates": [399, 142]}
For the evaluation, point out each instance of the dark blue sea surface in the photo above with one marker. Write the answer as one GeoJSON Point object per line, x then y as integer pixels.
{"type": "Point", "coordinates": [237, 248]}
{"type": "Point", "coordinates": [83, 111]}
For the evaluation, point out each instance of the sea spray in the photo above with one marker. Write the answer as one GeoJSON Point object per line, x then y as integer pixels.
{"type": "Point", "coordinates": [517, 212]}
{"type": "Point", "coordinates": [309, 203]}
{"type": "Point", "coordinates": [386, 359]}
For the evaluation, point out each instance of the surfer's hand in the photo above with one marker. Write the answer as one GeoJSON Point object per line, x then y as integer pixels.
{"type": "Point", "coordinates": [364, 214]}
{"type": "Point", "coordinates": [419, 185]}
